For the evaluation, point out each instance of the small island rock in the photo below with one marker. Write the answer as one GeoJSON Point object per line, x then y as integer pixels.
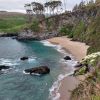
{"type": "Point", "coordinates": [67, 58]}
{"type": "Point", "coordinates": [24, 58]}
{"type": "Point", "coordinates": [38, 70]}
{"type": "Point", "coordinates": [4, 67]}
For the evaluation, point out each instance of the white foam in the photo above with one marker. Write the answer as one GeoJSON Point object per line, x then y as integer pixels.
{"type": "Point", "coordinates": [57, 47]}
{"type": "Point", "coordinates": [54, 94]}
{"type": "Point", "coordinates": [31, 73]}
{"type": "Point", "coordinates": [31, 59]}
{"type": "Point", "coordinates": [8, 62]}
{"type": "Point", "coordinates": [47, 43]}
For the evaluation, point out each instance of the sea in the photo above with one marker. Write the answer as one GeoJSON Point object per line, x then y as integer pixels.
{"type": "Point", "coordinates": [15, 84]}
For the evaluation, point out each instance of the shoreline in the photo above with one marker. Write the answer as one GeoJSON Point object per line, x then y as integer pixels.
{"type": "Point", "coordinates": [78, 50]}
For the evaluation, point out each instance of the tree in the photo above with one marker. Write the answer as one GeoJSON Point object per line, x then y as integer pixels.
{"type": "Point", "coordinates": [82, 4]}
{"type": "Point", "coordinates": [37, 8]}
{"type": "Point", "coordinates": [52, 5]}
{"type": "Point", "coordinates": [47, 5]}
{"type": "Point", "coordinates": [75, 7]}
{"type": "Point", "coordinates": [28, 11]}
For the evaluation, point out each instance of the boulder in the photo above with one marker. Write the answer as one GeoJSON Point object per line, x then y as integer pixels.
{"type": "Point", "coordinates": [4, 67]}
{"type": "Point", "coordinates": [38, 70]}
{"type": "Point", "coordinates": [67, 58]}
{"type": "Point", "coordinates": [24, 58]}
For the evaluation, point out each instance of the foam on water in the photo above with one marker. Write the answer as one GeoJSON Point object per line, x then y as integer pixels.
{"type": "Point", "coordinates": [57, 47]}
{"type": "Point", "coordinates": [47, 43]}
{"type": "Point", "coordinates": [31, 59]}
{"type": "Point", "coordinates": [8, 62]}
{"type": "Point", "coordinates": [54, 94]}
{"type": "Point", "coordinates": [31, 74]}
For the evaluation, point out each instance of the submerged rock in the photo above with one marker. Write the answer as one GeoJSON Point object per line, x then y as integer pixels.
{"type": "Point", "coordinates": [4, 67]}
{"type": "Point", "coordinates": [24, 58]}
{"type": "Point", "coordinates": [38, 70]}
{"type": "Point", "coordinates": [67, 58]}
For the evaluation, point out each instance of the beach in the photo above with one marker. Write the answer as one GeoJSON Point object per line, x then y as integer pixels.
{"type": "Point", "coordinates": [78, 51]}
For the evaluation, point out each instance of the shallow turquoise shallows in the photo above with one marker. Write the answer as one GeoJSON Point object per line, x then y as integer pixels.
{"type": "Point", "coordinates": [16, 85]}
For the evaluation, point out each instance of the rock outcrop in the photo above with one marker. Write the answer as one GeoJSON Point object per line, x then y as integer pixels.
{"type": "Point", "coordinates": [24, 58]}
{"type": "Point", "coordinates": [38, 70]}
{"type": "Point", "coordinates": [4, 67]}
{"type": "Point", "coordinates": [67, 58]}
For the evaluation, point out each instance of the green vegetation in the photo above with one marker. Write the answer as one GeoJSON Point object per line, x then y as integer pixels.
{"type": "Point", "coordinates": [35, 26]}
{"type": "Point", "coordinates": [66, 30]}
{"type": "Point", "coordinates": [88, 32]}
{"type": "Point", "coordinates": [89, 89]}
{"type": "Point", "coordinates": [78, 31]}
{"type": "Point", "coordinates": [12, 23]}
{"type": "Point", "coordinates": [49, 24]}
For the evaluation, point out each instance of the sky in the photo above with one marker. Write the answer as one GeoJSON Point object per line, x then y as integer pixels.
{"type": "Point", "coordinates": [18, 5]}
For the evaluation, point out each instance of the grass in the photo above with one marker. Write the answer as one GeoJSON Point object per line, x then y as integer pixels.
{"type": "Point", "coordinates": [12, 24]}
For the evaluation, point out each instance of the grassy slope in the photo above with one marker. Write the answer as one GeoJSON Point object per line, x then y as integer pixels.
{"type": "Point", "coordinates": [12, 22]}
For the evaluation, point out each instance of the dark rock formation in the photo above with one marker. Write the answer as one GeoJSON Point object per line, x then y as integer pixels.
{"type": "Point", "coordinates": [33, 36]}
{"type": "Point", "coordinates": [24, 58]}
{"type": "Point", "coordinates": [8, 34]}
{"type": "Point", "coordinates": [4, 67]}
{"type": "Point", "coordinates": [38, 70]}
{"type": "Point", "coordinates": [67, 58]}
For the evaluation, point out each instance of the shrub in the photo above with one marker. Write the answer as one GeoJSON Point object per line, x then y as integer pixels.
{"type": "Point", "coordinates": [35, 26]}
{"type": "Point", "coordinates": [66, 30]}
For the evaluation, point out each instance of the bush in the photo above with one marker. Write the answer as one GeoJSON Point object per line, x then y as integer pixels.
{"type": "Point", "coordinates": [35, 26]}
{"type": "Point", "coordinates": [66, 30]}
{"type": "Point", "coordinates": [79, 31]}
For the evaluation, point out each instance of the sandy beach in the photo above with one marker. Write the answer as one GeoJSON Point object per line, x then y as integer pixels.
{"type": "Point", "coordinates": [78, 50]}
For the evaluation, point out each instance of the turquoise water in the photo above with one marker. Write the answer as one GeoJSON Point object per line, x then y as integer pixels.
{"type": "Point", "coordinates": [14, 84]}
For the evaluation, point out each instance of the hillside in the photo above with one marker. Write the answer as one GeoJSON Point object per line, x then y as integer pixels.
{"type": "Point", "coordinates": [82, 24]}
{"type": "Point", "coordinates": [11, 21]}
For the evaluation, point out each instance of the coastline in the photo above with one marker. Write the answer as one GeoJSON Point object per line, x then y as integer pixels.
{"type": "Point", "coordinates": [78, 50]}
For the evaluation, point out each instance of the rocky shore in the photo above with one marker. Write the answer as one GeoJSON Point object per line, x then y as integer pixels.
{"type": "Point", "coordinates": [29, 35]}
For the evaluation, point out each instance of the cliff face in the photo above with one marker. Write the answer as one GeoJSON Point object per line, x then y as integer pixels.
{"type": "Point", "coordinates": [82, 25]}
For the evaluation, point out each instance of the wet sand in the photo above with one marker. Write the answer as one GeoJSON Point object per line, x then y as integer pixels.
{"type": "Point", "coordinates": [78, 50]}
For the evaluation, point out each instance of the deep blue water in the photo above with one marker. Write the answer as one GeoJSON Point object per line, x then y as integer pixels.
{"type": "Point", "coordinates": [14, 84]}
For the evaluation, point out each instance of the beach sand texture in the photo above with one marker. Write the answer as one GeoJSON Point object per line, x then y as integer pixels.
{"type": "Point", "coordinates": [79, 51]}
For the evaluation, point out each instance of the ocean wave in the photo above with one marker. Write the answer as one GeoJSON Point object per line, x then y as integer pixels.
{"type": "Point", "coordinates": [54, 94]}
{"type": "Point", "coordinates": [47, 43]}
{"type": "Point", "coordinates": [70, 63]}
{"type": "Point", "coordinates": [57, 47]}
{"type": "Point", "coordinates": [31, 59]}
{"type": "Point", "coordinates": [8, 62]}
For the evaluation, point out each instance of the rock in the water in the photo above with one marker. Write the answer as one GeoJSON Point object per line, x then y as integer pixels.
{"type": "Point", "coordinates": [67, 58]}
{"type": "Point", "coordinates": [4, 67]}
{"type": "Point", "coordinates": [24, 58]}
{"type": "Point", "coordinates": [38, 70]}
